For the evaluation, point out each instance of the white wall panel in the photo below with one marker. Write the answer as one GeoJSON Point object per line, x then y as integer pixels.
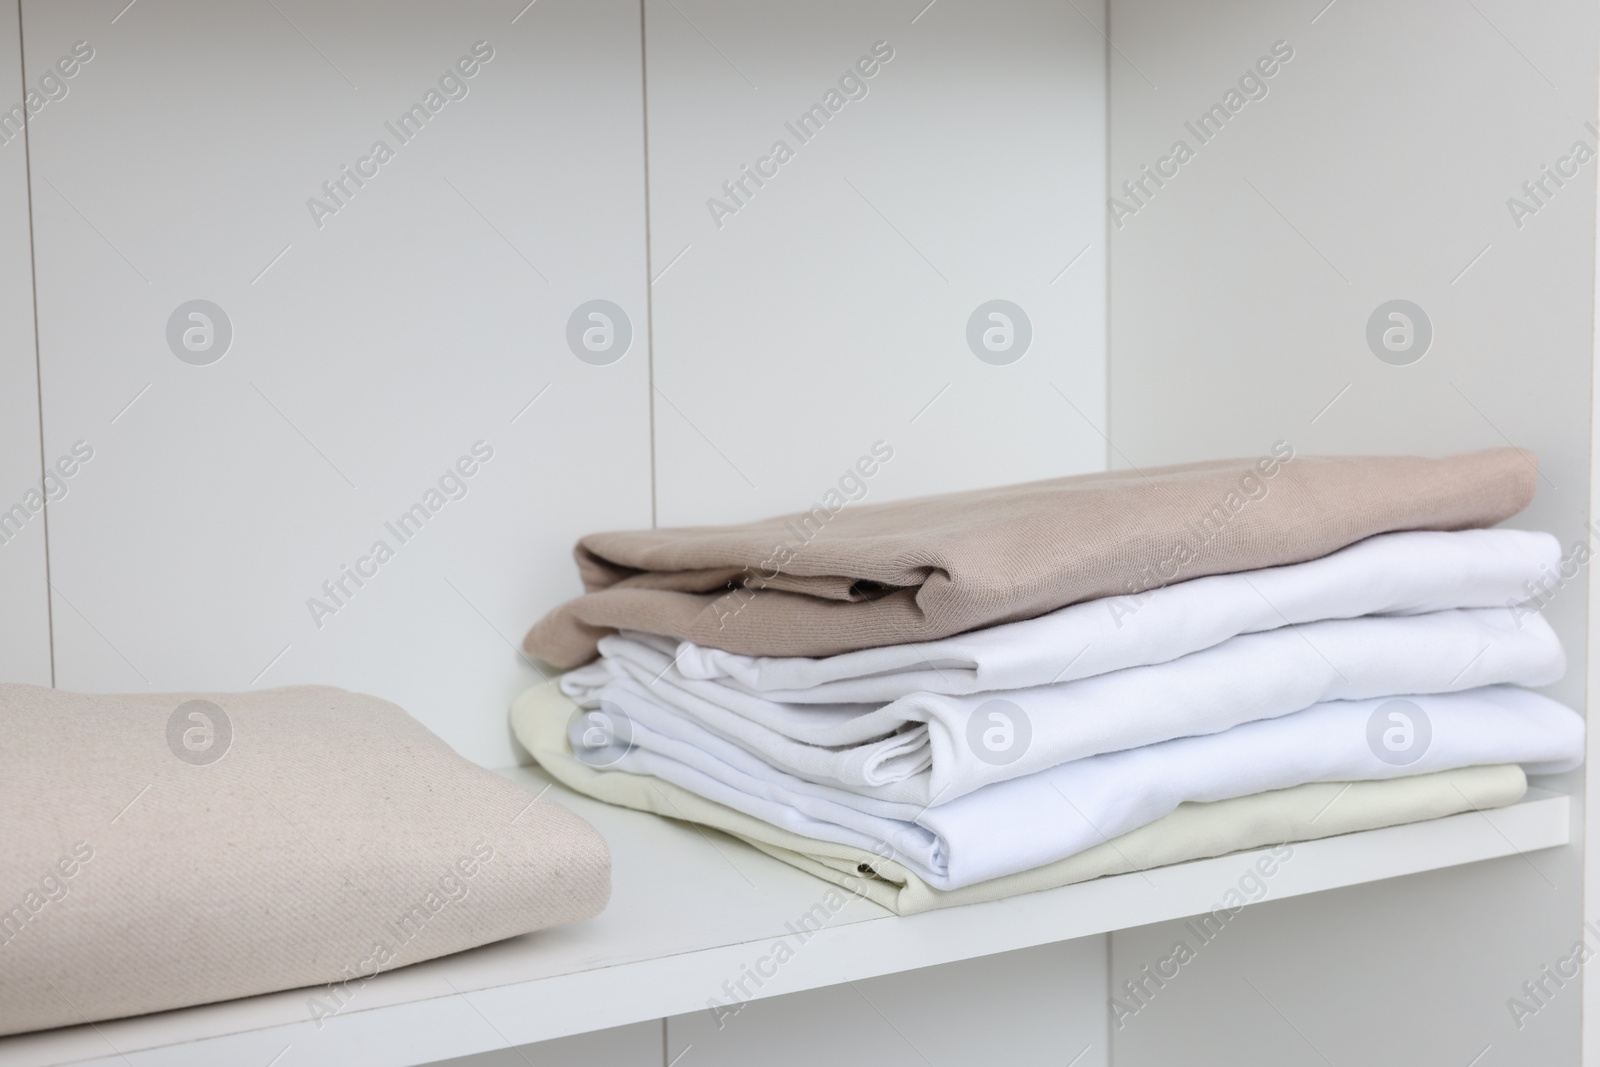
{"type": "Point", "coordinates": [1037, 1007]}
{"type": "Point", "coordinates": [1387, 974]}
{"type": "Point", "coordinates": [371, 347]}
{"type": "Point", "coordinates": [639, 1045]}
{"type": "Point", "coordinates": [1378, 166]}
{"type": "Point", "coordinates": [25, 624]}
{"type": "Point", "coordinates": [830, 311]}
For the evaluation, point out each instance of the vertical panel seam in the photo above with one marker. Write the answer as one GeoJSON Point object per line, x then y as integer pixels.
{"type": "Point", "coordinates": [1110, 992]}
{"type": "Point", "coordinates": [649, 267]}
{"type": "Point", "coordinates": [1105, 222]}
{"type": "Point", "coordinates": [38, 369]}
{"type": "Point", "coordinates": [1588, 1009]}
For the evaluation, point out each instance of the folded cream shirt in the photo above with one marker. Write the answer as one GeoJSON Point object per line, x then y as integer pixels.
{"type": "Point", "coordinates": [1051, 814]}
{"type": "Point", "coordinates": [1192, 831]}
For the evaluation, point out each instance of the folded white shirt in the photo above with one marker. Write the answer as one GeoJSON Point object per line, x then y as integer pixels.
{"type": "Point", "coordinates": [1044, 817]}
{"type": "Point", "coordinates": [928, 748]}
{"type": "Point", "coordinates": [1390, 574]}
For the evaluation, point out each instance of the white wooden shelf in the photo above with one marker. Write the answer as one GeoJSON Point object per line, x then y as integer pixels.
{"type": "Point", "coordinates": [693, 909]}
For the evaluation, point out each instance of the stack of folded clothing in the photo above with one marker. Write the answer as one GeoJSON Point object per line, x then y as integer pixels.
{"type": "Point", "coordinates": [969, 696]}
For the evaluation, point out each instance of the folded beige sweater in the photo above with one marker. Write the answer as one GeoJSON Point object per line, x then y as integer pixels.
{"type": "Point", "coordinates": [846, 576]}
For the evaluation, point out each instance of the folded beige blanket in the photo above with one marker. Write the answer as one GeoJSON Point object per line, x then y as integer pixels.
{"type": "Point", "coordinates": [168, 850]}
{"type": "Point", "coordinates": [1194, 831]}
{"type": "Point", "coordinates": [846, 576]}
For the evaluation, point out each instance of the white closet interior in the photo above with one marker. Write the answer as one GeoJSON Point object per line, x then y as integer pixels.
{"type": "Point", "coordinates": [780, 326]}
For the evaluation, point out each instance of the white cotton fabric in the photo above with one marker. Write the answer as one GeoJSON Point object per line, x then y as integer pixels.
{"type": "Point", "coordinates": [541, 717]}
{"type": "Point", "coordinates": [1390, 574]}
{"type": "Point", "coordinates": [1047, 816]}
{"type": "Point", "coordinates": [928, 748]}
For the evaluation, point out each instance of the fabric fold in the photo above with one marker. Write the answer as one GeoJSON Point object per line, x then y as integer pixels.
{"type": "Point", "coordinates": [853, 576]}
{"type": "Point", "coordinates": [1192, 831]}
{"type": "Point", "coordinates": [928, 748]}
{"type": "Point", "coordinates": [1407, 573]}
{"type": "Point", "coordinates": [1047, 816]}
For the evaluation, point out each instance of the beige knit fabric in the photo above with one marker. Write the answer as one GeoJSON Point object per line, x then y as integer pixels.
{"type": "Point", "coordinates": [1194, 831]}
{"type": "Point", "coordinates": [160, 853]}
{"type": "Point", "coordinates": [847, 576]}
